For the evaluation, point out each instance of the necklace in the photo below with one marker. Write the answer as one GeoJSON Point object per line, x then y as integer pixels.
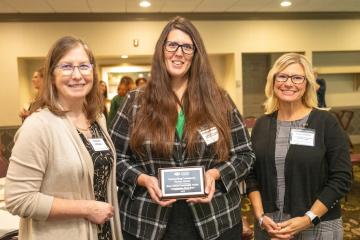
{"type": "Point", "coordinates": [83, 129]}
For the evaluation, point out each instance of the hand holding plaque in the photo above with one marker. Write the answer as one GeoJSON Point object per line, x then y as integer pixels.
{"type": "Point", "coordinates": [182, 182]}
{"type": "Point", "coordinates": [210, 178]}
{"type": "Point", "coordinates": [151, 183]}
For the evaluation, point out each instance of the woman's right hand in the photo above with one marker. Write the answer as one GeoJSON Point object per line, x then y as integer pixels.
{"type": "Point", "coordinates": [152, 185]}
{"type": "Point", "coordinates": [98, 212]}
{"type": "Point", "coordinates": [273, 229]}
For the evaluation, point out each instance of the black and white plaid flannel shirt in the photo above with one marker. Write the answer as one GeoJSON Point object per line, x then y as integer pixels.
{"type": "Point", "coordinates": [143, 218]}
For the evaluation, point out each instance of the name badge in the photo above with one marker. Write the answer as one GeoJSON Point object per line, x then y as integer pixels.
{"type": "Point", "coordinates": [210, 135]}
{"type": "Point", "coordinates": [98, 144]}
{"type": "Point", "coordinates": [302, 136]}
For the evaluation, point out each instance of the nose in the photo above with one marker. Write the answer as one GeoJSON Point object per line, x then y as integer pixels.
{"type": "Point", "coordinates": [288, 81]}
{"type": "Point", "coordinates": [179, 51]}
{"type": "Point", "coordinates": [76, 73]}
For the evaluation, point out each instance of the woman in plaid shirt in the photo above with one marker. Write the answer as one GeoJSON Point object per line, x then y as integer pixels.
{"type": "Point", "coordinates": [163, 125]}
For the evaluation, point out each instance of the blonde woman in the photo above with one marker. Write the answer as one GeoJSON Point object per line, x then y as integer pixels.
{"type": "Point", "coordinates": [302, 166]}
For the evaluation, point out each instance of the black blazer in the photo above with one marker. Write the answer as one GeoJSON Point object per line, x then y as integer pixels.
{"type": "Point", "coordinates": [321, 172]}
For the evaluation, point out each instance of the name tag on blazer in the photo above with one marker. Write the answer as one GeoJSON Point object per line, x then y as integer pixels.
{"type": "Point", "coordinates": [210, 135]}
{"type": "Point", "coordinates": [98, 144]}
{"type": "Point", "coordinates": [302, 136]}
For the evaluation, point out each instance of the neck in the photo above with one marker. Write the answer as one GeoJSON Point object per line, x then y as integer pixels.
{"type": "Point", "coordinates": [75, 112]}
{"type": "Point", "coordinates": [179, 86]}
{"type": "Point", "coordinates": [292, 111]}
{"type": "Point", "coordinates": [73, 107]}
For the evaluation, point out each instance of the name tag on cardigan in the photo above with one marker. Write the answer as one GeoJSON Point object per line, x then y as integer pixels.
{"type": "Point", "coordinates": [302, 136]}
{"type": "Point", "coordinates": [98, 144]}
{"type": "Point", "coordinates": [210, 135]}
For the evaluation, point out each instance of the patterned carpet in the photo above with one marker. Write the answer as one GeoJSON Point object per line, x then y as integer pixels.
{"type": "Point", "coordinates": [350, 208]}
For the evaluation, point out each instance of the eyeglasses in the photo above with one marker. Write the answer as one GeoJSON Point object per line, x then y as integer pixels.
{"type": "Point", "coordinates": [68, 69]}
{"type": "Point", "coordinates": [173, 47]}
{"type": "Point", "coordinates": [296, 79]}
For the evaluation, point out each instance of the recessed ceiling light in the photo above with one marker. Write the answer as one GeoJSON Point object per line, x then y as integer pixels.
{"type": "Point", "coordinates": [124, 56]}
{"type": "Point", "coordinates": [144, 3]}
{"type": "Point", "coordinates": [285, 3]}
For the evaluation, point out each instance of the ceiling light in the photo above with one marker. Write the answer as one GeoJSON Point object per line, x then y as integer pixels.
{"type": "Point", "coordinates": [124, 56]}
{"type": "Point", "coordinates": [285, 3]}
{"type": "Point", "coordinates": [144, 3]}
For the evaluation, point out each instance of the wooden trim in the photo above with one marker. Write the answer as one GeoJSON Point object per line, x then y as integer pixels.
{"type": "Point", "coordinates": [209, 16]}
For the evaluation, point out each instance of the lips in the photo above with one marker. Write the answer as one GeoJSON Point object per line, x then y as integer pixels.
{"type": "Point", "coordinates": [177, 63]}
{"type": "Point", "coordinates": [79, 85]}
{"type": "Point", "coordinates": [288, 92]}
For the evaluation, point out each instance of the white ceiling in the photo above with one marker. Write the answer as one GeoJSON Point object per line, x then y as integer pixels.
{"type": "Point", "coordinates": [170, 6]}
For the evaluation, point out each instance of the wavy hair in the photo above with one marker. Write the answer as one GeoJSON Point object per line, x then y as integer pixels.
{"type": "Point", "coordinates": [48, 96]}
{"type": "Point", "coordinates": [204, 102]}
{"type": "Point", "coordinates": [309, 98]}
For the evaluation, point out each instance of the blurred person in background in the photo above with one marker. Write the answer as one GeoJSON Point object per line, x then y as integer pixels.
{"type": "Point", "coordinates": [122, 89]}
{"type": "Point", "coordinates": [37, 81]}
{"type": "Point", "coordinates": [104, 97]}
{"type": "Point", "coordinates": [140, 82]}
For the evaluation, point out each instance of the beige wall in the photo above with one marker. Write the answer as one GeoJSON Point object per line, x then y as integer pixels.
{"type": "Point", "coordinates": [109, 39]}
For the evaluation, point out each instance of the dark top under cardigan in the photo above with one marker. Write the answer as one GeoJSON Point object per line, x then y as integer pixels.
{"type": "Point", "coordinates": [320, 172]}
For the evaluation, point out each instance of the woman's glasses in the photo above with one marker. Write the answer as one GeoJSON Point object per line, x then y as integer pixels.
{"type": "Point", "coordinates": [174, 46]}
{"type": "Point", "coordinates": [296, 79]}
{"type": "Point", "coordinates": [68, 69]}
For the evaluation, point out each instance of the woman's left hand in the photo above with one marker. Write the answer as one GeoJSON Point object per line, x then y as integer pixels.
{"type": "Point", "coordinates": [294, 225]}
{"type": "Point", "coordinates": [211, 176]}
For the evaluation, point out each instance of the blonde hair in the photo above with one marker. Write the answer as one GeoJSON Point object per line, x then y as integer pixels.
{"type": "Point", "coordinates": [309, 99]}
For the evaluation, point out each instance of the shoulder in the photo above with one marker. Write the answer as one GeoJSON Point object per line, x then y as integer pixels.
{"type": "Point", "coordinates": [41, 118]}
{"type": "Point", "coordinates": [229, 102]}
{"type": "Point", "coordinates": [130, 103]}
{"type": "Point", "coordinates": [318, 115]}
{"type": "Point", "coordinates": [38, 125]}
{"type": "Point", "coordinates": [265, 118]}
{"type": "Point", "coordinates": [101, 120]}
{"type": "Point", "coordinates": [133, 97]}
{"type": "Point", "coordinates": [115, 99]}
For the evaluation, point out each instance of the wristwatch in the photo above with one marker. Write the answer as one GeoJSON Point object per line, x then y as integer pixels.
{"type": "Point", "coordinates": [313, 218]}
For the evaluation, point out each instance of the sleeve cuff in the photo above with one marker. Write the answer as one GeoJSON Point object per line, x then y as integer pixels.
{"type": "Point", "coordinates": [43, 207]}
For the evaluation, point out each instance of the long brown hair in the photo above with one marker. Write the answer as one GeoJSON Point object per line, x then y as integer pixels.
{"type": "Point", "coordinates": [48, 96]}
{"type": "Point", "coordinates": [204, 103]}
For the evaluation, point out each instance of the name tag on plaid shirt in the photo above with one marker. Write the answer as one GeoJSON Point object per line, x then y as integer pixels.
{"type": "Point", "coordinates": [210, 135]}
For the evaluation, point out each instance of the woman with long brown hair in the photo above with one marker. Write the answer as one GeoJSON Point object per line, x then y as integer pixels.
{"type": "Point", "coordinates": [180, 118]}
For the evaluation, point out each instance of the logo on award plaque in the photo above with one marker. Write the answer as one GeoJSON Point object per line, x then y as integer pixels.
{"type": "Point", "coordinates": [182, 182]}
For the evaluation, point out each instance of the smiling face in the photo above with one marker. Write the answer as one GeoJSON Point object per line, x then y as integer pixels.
{"type": "Point", "coordinates": [288, 92]}
{"type": "Point", "coordinates": [178, 63]}
{"type": "Point", "coordinates": [73, 88]}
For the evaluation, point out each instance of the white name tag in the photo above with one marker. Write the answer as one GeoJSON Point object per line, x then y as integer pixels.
{"type": "Point", "coordinates": [210, 135]}
{"type": "Point", "coordinates": [302, 136]}
{"type": "Point", "coordinates": [98, 144]}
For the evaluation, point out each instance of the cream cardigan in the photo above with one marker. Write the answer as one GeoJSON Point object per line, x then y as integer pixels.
{"type": "Point", "coordinates": [50, 160]}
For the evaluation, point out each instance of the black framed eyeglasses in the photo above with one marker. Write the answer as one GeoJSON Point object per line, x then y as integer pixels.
{"type": "Point", "coordinates": [296, 79]}
{"type": "Point", "coordinates": [174, 46]}
{"type": "Point", "coordinates": [68, 69]}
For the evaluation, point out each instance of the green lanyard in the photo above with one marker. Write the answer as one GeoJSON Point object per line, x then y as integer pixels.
{"type": "Point", "coordinates": [180, 123]}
